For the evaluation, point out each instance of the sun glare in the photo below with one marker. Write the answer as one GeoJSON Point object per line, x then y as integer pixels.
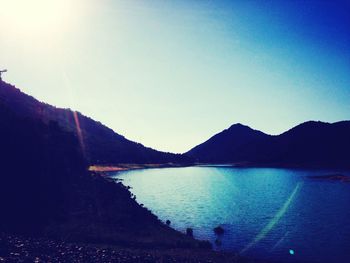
{"type": "Point", "coordinates": [36, 17]}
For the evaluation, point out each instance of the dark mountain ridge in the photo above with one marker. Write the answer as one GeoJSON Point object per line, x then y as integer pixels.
{"type": "Point", "coordinates": [101, 144]}
{"type": "Point", "coordinates": [313, 143]}
{"type": "Point", "coordinates": [46, 191]}
{"type": "Point", "coordinates": [308, 144]}
{"type": "Point", "coordinates": [221, 148]}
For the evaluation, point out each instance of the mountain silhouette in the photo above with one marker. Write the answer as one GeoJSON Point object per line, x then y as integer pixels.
{"type": "Point", "coordinates": [47, 191]}
{"type": "Point", "coordinates": [316, 144]}
{"type": "Point", "coordinates": [101, 144]}
{"type": "Point", "coordinates": [308, 144]}
{"type": "Point", "coordinates": [227, 145]}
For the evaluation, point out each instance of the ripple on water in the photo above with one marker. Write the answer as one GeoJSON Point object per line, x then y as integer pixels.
{"type": "Point", "coordinates": [252, 205]}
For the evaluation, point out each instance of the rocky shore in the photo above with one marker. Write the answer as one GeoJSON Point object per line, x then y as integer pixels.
{"type": "Point", "coordinates": [15, 248]}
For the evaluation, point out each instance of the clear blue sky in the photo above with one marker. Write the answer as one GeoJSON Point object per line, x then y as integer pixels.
{"type": "Point", "coordinates": [170, 74]}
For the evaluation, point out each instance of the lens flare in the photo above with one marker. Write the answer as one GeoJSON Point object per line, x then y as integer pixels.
{"type": "Point", "coordinates": [275, 220]}
{"type": "Point", "coordinates": [79, 131]}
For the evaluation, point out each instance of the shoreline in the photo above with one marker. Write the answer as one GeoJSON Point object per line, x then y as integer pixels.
{"type": "Point", "coordinates": [127, 167]}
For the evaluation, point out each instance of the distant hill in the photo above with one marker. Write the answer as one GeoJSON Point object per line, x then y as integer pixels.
{"type": "Point", "coordinates": [227, 145]}
{"type": "Point", "coordinates": [308, 144]}
{"type": "Point", "coordinates": [316, 144]}
{"type": "Point", "coordinates": [101, 144]}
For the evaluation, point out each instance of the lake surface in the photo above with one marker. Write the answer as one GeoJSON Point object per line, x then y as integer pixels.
{"type": "Point", "coordinates": [274, 214]}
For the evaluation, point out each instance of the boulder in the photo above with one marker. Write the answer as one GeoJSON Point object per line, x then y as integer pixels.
{"type": "Point", "coordinates": [219, 230]}
{"type": "Point", "coordinates": [189, 232]}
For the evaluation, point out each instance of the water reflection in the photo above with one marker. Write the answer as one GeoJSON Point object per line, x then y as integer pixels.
{"type": "Point", "coordinates": [267, 213]}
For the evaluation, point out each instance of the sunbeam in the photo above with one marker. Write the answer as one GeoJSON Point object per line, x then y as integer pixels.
{"type": "Point", "coordinates": [79, 131]}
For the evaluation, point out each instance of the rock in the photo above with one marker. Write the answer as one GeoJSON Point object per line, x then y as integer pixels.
{"type": "Point", "coordinates": [219, 230]}
{"type": "Point", "coordinates": [189, 232]}
{"type": "Point", "coordinates": [218, 242]}
{"type": "Point", "coordinates": [168, 222]}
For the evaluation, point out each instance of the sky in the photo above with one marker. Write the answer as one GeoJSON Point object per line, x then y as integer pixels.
{"type": "Point", "coordinates": [170, 74]}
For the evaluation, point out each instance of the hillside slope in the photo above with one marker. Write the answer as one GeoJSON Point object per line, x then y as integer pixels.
{"type": "Point", "coordinates": [45, 190]}
{"type": "Point", "coordinates": [101, 144]}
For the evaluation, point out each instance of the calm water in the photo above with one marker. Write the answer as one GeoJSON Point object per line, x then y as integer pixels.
{"type": "Point", "coordinates": [266, 213]}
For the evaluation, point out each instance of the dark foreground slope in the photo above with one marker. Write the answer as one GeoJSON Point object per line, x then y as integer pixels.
{"type": "Point", "coordinates": [315, 144]}
{"type": "Point", "coordinates": [101, 144]}
{"type": "Point", "coordinates": [46, 191]}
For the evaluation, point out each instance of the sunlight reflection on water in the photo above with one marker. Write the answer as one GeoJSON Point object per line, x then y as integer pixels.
{"type": "Point", "coordinates": [266, 213]}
